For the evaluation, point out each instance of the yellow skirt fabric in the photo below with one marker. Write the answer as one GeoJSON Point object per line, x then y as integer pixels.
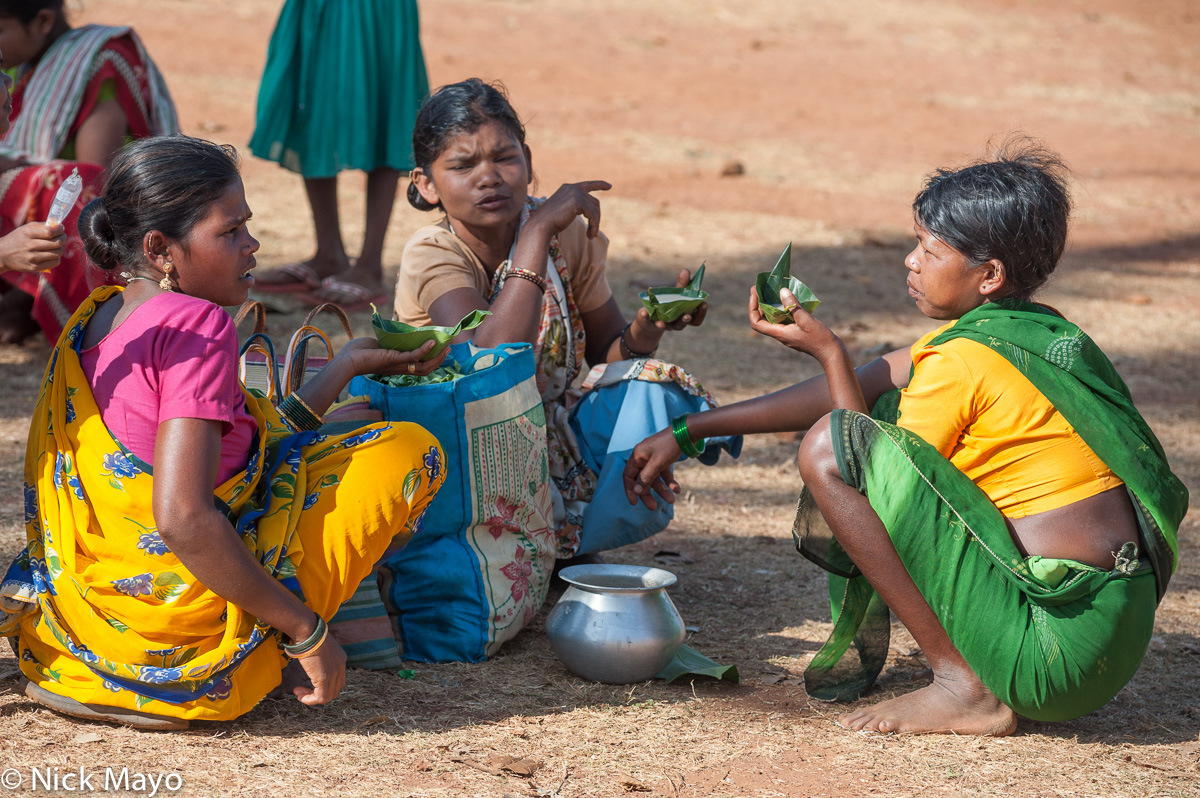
{"type": "Point", "coordinates": [110, 616]}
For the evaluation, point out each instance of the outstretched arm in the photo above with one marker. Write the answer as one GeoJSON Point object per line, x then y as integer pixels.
{"type": "Point", "coordinates": [364, 356]}
{"type": "Point", "coordinates": [649, 469]}
{"type": "Point", "coordinates": [812, 337]}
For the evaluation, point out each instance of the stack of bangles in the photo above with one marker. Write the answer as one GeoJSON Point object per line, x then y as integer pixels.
{"type": "Point", "coordinates": [308, 646]}
{"type": "Point", "coordinates": [298, 414]}
{"type": "Point", "coordinates": [680, 430]}
{"type": "Point", "coordinates": [526, 274]}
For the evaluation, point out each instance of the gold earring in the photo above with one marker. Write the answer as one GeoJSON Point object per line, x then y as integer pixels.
{"type": "Point", "coordinates": [165, 282]}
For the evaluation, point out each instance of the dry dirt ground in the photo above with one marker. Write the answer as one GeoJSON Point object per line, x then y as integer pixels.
{"type": "Point", "coordinates": [835, 111]}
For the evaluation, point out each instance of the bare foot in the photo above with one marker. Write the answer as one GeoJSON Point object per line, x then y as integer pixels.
{"type": "Point", "coordinates": [948, 706]}
{"type": "Point", "coordinates": [318, 266]}
{"type": "Point", "coordinates": [367, 275]}
{"type": "Point", "coordinates": [293, 677]}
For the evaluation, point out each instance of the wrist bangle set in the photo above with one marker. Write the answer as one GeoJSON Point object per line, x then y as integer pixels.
{"type": "Point", "coordinates": [298, 414]}
{"type": "Point", "coordinates": [680, 431]}
{"type": "Point", "coordinates": [627, 352]}
{"type": "Point", "coordinates": [308, 646]}
{"type": "Point", "coordinates": [525, 274]}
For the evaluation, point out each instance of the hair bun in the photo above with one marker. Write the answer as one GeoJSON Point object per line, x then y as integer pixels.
{"type": "Point", "coordinates": [99, 237]}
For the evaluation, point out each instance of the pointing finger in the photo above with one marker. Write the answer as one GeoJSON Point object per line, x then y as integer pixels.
{"type": "Point", "coordinates": [593, 185]}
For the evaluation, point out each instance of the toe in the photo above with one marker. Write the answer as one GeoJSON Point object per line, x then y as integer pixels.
{"type": "Point", "coordinates": [853, 721]}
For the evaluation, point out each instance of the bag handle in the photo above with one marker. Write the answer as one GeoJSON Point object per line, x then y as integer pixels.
{"type": "Point", "coordinates": [260, 315]}
{"type": "Point", "coordinates": [336, 310]}
{"type": "Point", "coordinates": [297, 355]}
{"type": "Point", "coordinates": [502, 353]}
{"type": "Point", "coordinates": [259, 342]}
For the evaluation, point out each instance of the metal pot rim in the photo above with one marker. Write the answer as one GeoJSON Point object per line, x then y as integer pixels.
{"type": "Point", "coordinates": [651, 578]}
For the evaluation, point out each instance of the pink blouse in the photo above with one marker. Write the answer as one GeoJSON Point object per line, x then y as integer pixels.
{"type": "Point", "coordinates": [175, 356]}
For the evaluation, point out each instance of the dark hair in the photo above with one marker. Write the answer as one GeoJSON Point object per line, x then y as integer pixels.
{"type": "Point", "coordinates": [455, 109]}
{"type": "Point", "coordinates": [1014, 208]}
{"type": "Point", "coordinates": [25, 10]}
{"type": "Point", "coordinates": [164, 183]}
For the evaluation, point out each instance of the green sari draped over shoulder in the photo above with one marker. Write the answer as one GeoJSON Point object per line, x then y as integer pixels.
{"type": "Point", "coordinates": [951, 537]}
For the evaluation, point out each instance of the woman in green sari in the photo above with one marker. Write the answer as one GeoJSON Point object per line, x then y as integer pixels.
{"type": "Point", "coordinates": [993, 485]}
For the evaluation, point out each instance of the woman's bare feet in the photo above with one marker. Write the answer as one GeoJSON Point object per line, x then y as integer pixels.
{"type": "Point", "coordinates": [948, 706]}
{"type": "Point", "coordinates": [293, 677]}
{"type": "Point", "coordinates": [368, 274]}
{"type": "Point", "coordinates": [305, 275]}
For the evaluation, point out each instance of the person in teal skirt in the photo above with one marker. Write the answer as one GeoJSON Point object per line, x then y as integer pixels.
{"type": "Point", "coordinates": [343, 82]}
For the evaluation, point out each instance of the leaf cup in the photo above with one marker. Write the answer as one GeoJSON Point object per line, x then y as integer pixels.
{"type": "Point", "coordinates": [405, 338]}
{"type": "Point", "coordinates": [667, 303]}
{"type": "Point", "coordinates": [769, 284]}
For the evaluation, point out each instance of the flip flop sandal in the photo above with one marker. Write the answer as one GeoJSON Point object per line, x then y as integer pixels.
{"type": "Point", "coordinates": [349, 296]}
{"type": "Point", "coordinates": [304, 279]}
{"type": "Point", "coordinates": [96, 712]}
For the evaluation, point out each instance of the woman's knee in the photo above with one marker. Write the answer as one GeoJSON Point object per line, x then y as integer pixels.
{"type": "Point", "coordinates": [413, 446]}
{"type": "Point", "coordinates": [390, 438]}
{"type": "Point", "coordinates": [387, 452]}
{"type": "Point", "coordinates": [414, 436]}
{"type": "Point", "coordinates": [815, 459]}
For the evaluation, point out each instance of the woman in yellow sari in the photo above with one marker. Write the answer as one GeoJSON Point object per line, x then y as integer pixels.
{"type": "Point", "coordinates": [185, 537]}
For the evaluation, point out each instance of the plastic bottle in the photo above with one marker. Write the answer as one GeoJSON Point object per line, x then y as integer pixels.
{"type": "Point", "coordinates": [64, 199]}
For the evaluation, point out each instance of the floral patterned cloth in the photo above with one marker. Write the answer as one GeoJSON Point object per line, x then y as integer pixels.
{"type": "Point", "coordinates": [107, 615]}
{"type": "Point", "coordinates": [647, 370]}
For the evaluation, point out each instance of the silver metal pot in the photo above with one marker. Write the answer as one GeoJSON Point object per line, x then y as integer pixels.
{"type": "Point", "coordinates": [615, 623]}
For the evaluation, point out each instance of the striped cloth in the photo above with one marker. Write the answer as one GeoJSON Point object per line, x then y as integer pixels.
{"type": "Point", "coordinates": [55, 93]}
{"type": "Point", "coordinates": [364, 630]}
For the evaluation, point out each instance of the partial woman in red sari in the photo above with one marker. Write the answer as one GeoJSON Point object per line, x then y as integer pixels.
{"type": "Point", "coordinates": [80, 94]}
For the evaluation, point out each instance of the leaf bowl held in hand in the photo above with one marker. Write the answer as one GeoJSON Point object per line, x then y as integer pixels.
{"type": "Point", "coordinates": [405, 338]}
{"type": "Point", "coordinates": [769, 285]}
{"type": "Point", "coordinates": [668, 302]}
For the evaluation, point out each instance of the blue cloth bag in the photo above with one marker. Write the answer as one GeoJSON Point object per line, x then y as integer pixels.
{"type": "Point", "coordinates": [609, 421]}
{"type": "Point", "coordinates": [478, 567]}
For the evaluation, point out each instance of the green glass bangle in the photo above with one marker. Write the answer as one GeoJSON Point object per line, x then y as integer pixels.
{"type": "Point", "coordinates": [297, 650]}
{"type": "Point", "coordinates": [680, 430]}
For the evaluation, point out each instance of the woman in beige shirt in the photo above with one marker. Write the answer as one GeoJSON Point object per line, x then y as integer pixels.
{"type": "Point", "coordinates": [539, 266]}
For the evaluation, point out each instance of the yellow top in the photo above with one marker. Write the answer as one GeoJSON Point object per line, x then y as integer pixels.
{"type": "Point", "coordinates": [989, 420]}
